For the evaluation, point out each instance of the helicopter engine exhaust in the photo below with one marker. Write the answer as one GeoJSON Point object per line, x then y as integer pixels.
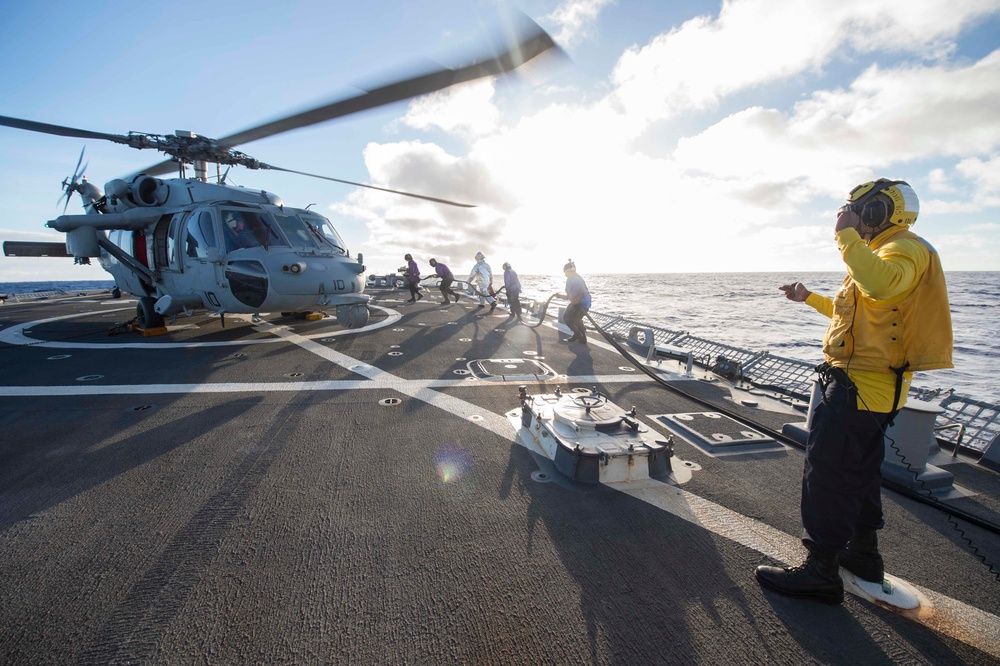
{"type": "Point", "coordinates": [148, 191]}
{"type": "Point", "coordinates": [143, 190]}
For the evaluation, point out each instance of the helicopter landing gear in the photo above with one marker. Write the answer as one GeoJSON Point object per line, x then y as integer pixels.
{"type": "Point", "coordinates": [116, 292]}
{"type": "Point", "coordinates": [147, 316]}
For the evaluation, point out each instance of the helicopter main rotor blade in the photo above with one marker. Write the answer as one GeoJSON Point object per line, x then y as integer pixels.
{"type": "Point", "coordinates": [371, 187]}
{"type": "Point", "coordinates": [533, 42]}
{"type": "Point", "coordinates": [530, 45]}
{"type": "Point", "coordinates": [166, 166]}
{"type": "Point", "coordinates": [59, 130]}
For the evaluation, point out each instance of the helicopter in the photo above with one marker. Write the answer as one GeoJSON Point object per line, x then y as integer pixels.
{"type": "Point", "coordinates": [186, 243]}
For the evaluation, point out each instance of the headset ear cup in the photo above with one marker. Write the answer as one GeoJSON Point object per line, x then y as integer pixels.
{"type": "Point", "coordinates": [874, 213]}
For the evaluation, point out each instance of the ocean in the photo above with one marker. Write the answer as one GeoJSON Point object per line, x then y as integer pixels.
{"type": "Point", "coordinates": [747, 310]}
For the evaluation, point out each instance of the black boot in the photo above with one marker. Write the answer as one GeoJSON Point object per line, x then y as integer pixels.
{"type": "Point", "coordinates": [817, 578]}
{"type": "Point", "coordinates": [861, 557]}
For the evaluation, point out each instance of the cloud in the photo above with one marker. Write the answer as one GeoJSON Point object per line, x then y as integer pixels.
{"type": "Point", "coordinates": [886, 118]}
{"type": "Point", "coordinates": [758, 42]}
{"type": "Point", "coordinates": [575, 19]}
{"type": "Point", "coordinates": [985, 173]}
{"type": "Point", "coordinates": [938, 182]}
{"type": "Point", "coordinates": [752, 190]}
{"type": "Point", "coordinates": [398, 225]}
{"type": "Point", "coordinates": [466, 110]}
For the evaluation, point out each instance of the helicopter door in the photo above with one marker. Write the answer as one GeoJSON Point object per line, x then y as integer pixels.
{"type": "Point", "coordinates": [165, 242]}
{"type": "Point", "coordinates": [200, 255]}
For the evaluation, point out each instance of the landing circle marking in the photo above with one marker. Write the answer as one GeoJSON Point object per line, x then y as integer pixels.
{"type": "Point", "coordinates": [16, 335]}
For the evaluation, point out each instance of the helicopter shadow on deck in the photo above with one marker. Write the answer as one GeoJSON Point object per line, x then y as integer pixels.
{"type": "Point", "coordinates": [59, 473]}
{"type": "Point", "coordinates": [162, 591]}
{"type": "Point", "coordinates": [50, 472]}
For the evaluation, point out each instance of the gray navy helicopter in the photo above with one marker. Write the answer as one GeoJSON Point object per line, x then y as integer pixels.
{"type": "Point", "coordinates": [186, 243]}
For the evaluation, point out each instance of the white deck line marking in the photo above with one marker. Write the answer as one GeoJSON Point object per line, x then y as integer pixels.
{"type": "Point", "coordinates": [954, 618]}
{"type": "Point", "coordinates": [494, 422]}
{"type": "Point", "coordinates": [15, 335]}
{"type": "Point", "coordinates": [391, 381]}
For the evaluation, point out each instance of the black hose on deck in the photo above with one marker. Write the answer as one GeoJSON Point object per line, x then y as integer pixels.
{"type": "Point", "coordinates": [541, 313]}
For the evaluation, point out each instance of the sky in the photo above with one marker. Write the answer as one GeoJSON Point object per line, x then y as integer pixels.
{"type": "Point", "coordinates": [672, 136]}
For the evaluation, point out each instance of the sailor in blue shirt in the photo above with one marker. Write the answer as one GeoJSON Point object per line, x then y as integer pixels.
{"type": "Point", "coordinates": [579, 303]}
{"type": "Point", "coordinates": [513, 286]}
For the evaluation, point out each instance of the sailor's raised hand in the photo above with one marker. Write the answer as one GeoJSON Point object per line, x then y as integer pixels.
{"type": "Point", "coordinates": [795, 291]}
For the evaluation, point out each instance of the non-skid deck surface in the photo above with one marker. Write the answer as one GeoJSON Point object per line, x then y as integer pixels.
{"type": "Point", "coordinates": [283, 492]}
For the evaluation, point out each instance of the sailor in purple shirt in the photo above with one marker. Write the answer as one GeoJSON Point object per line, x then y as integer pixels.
{"type": "Point", "coordinates": [412, 275]}
{"type": "Point", "coordinates": [447, 278]}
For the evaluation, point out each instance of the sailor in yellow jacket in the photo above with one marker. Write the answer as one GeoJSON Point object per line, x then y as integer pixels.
{"type": "Point", "coordinates": [889, 318]}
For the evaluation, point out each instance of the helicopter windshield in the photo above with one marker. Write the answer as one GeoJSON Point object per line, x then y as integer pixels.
{"type": "Point", "coordinates": [311, 232]}
{"type": "Point", "coordinates": [250, 228]}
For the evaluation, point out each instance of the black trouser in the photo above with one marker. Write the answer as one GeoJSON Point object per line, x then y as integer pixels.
{"type": "Point", "coordinates": [841, 482]}
{"type": "Point", "coordinates": [514, 301]}
{"type": "Point", "coordinates": [573, 317]}
{"type": "Point", "coordinates": [446, 287]}
{"type": "Point", "coordinates": [414, 286]}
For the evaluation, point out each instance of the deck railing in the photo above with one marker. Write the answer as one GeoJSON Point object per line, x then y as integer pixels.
{"type": "Point", "coordinates": [794, 377]}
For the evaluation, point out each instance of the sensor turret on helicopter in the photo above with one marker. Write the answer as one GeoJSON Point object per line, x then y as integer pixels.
{"type": "Point", "coordinates": [183, 243]}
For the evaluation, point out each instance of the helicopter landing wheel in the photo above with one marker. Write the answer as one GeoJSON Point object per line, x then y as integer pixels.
{"type": "Point", "coordinates": [147, 316]}
{"type": "Point", "coordinates": [116, 292]}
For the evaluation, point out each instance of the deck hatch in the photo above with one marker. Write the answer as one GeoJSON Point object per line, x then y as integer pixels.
{"type": "Point", "coordinates": [510, 369]}
{"type": "Point", "coordinates": [718, 434]}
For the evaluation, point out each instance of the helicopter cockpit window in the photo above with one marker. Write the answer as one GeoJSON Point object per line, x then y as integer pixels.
{"type": "Point", "coordinates": [308, 234]}
{"type": "Point", "coordinates": [322, 229]}
{"type": "Point", "coordinates": [247, 228]}
{"type": "Point", "coordinates": [200, 235]}
{"type": "Point", "coordinates": [297, 233]}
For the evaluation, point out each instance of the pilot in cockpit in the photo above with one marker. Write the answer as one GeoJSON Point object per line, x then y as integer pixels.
{"type": "Point", "coordinates": [240, 235]}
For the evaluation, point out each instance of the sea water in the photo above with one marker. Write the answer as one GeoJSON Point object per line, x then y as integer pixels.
{"type": "Point", "coordinates": [747, 310]}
